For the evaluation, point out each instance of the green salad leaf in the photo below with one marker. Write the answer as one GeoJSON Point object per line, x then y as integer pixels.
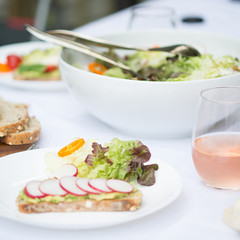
{"type": "Point", "coordinates": [32, 68]}
{"type": "Point", "coordinates": [162, 66]}
{"type": "Point", "coordinates": [99, 153]}
{"type": "Point", "coordinates": [116, 72]}
{"type": "Point", "coordinates": [121, 160]}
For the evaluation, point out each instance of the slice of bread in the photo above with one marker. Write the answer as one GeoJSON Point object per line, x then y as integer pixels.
{"type": "Point", "coordinates": [13, 117]}
{"type": "Point", "coordinates": [30, 135]}
{"type": "Point", "coordinates": [43, 77]}
{"type": "Point", "coordinates": [130, 203]}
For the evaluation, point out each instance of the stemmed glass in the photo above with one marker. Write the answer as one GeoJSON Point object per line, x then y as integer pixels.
{"type": "Point", "coordinates": [216, 138]}
{"type": "Point", "coordinates": [151, 16]}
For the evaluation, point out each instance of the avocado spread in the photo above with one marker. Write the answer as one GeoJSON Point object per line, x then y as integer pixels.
{"type": "Point", "coordinates": [36, 71]}
{"type": "Point", "coordinates": [72, 198]}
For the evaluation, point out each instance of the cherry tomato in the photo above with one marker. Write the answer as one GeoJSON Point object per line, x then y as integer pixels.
{"type": "Point", "coordinates": [50, 68]}
{"type": "Point", "coordinates": [13, 61]}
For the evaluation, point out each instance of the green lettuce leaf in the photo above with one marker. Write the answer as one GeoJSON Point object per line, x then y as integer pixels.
{"type": "Point", "coordinates": [98, 153]}
{"type": "Point", "coordinates": [116, 72]}
{"type": "Point", "coordinates": [32, 68]}
{"type": "Point", "coordinates": [121, 160]}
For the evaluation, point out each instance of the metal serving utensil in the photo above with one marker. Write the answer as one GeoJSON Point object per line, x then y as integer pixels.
{"type": "Point", "coordinates": [80, 48]}
{"type": "Point", "coordinates": [178, 49]}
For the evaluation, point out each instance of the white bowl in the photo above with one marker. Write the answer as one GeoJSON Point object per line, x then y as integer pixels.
{"type": "Point", "coordinates": [147, 109]}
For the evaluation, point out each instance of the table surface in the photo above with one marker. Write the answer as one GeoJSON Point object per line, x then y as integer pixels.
{"type": "Point", "coordinates": [197, 213]}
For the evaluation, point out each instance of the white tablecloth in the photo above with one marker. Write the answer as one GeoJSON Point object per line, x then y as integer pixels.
{"type": "Point", "coordinates": [197, 213]}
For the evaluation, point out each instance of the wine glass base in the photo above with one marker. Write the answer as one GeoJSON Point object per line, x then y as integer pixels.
{"type": "Point", "coordinates": [222, 188]}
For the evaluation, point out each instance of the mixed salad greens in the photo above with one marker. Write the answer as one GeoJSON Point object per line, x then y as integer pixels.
{"type": "Point", "coordinates": [163, 66]}
{"type": "Point", "coordinates": [117, 159]}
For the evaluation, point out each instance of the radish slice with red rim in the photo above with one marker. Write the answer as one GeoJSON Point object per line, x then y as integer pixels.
{"type": "Point", "coordinates": [99, 184]}
{"type": "Point", "coordinates": [32, 189]}
{"type": "Point", "coordinates": [68, 184]}
{"type": "Point", "coordinates": [52, 187]}
{"type": "Point", "coordinates": [82, 183]}
{"type": "Point", "coordinates": [118, 185]}
{"type": "Point", "coordinates": [66, 170]}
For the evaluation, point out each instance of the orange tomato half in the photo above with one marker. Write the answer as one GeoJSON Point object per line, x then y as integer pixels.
{"type": "Point", "coordinates": [71, 148]}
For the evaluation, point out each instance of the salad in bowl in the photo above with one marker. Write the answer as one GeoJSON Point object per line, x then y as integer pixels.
{"type": "Point", "coordinates": [163, 66]}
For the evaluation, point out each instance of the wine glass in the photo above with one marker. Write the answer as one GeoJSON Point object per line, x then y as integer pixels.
{"type": "Point", "coordinates": [216, 138]}
{"type": "Point", "coordinates": [150, 16]}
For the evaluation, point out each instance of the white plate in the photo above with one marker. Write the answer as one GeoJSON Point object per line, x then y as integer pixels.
{"type": "Point", "coordinates": [19, 168]}
{"type": "Point", "coordinates": [22, 49]}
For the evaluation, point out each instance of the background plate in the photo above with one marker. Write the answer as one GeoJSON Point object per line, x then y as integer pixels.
{"type": "Point", "coordinates": [22, 49]}
{"type": "Point", "coordinates": [19, 168]}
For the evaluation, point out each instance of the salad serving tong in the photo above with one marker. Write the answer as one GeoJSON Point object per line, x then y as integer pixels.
{"type": "Point", "coordinates": [76, 46]}
{"type": "Point", "coordinates": [178, 49]}
{"type": "Point", "coordinates": [74, 41]}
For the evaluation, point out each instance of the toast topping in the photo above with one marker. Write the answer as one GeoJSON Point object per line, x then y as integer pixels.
{"type": "Point", "coordinates": [66, 189]}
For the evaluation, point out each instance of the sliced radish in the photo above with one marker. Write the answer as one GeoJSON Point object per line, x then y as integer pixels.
{"type": "Point", "coordinates": [32, 189]}
{"type": "Point", "coordinates": [66, 170]}
{"type": "Point", "coordinates": [68, 184]}
{"type": "Point", "coordinates": [119, 185]}
{"type": "Point", "coordinates": [52, 187]}
{"type": "Point", "coordinates": [99, 184]}
{"type": "Point", "coordinates": [82, 183]}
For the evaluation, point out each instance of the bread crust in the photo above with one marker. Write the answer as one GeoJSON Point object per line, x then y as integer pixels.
{"type": "Point", "coordinates": [18, 125]}
{"type": "Point", "coordinates": [131, 203]}
{"type": "Point", "coordinates": [24, 137]}
{"type": "Point", "coordinates": [19, 77]}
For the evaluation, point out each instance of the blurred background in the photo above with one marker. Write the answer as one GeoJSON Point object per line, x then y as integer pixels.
{"type": "Point", "coordinates": [52, 14]}
{"type": "Point", "coordinates": [220, 16]}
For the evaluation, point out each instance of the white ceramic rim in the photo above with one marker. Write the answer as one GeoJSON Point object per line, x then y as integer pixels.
{"type": "Point", "coordinates": [153, 82]}
{"type": "Point", "coordinates": [203, 96]}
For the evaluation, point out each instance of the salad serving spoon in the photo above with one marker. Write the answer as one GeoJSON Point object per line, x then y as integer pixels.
{"type": "Point", "coordinates": [178, 49]}
{"type": "Point", "coordinates": [76, 46]}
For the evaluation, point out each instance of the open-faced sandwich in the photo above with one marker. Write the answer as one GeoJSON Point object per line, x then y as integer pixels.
{"type": "Point", "coordinates": [84, 176]}
{"type": "Point", "coordinates": [70, 194]}
{"type": "Point", "coordinates": [39, 64]}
